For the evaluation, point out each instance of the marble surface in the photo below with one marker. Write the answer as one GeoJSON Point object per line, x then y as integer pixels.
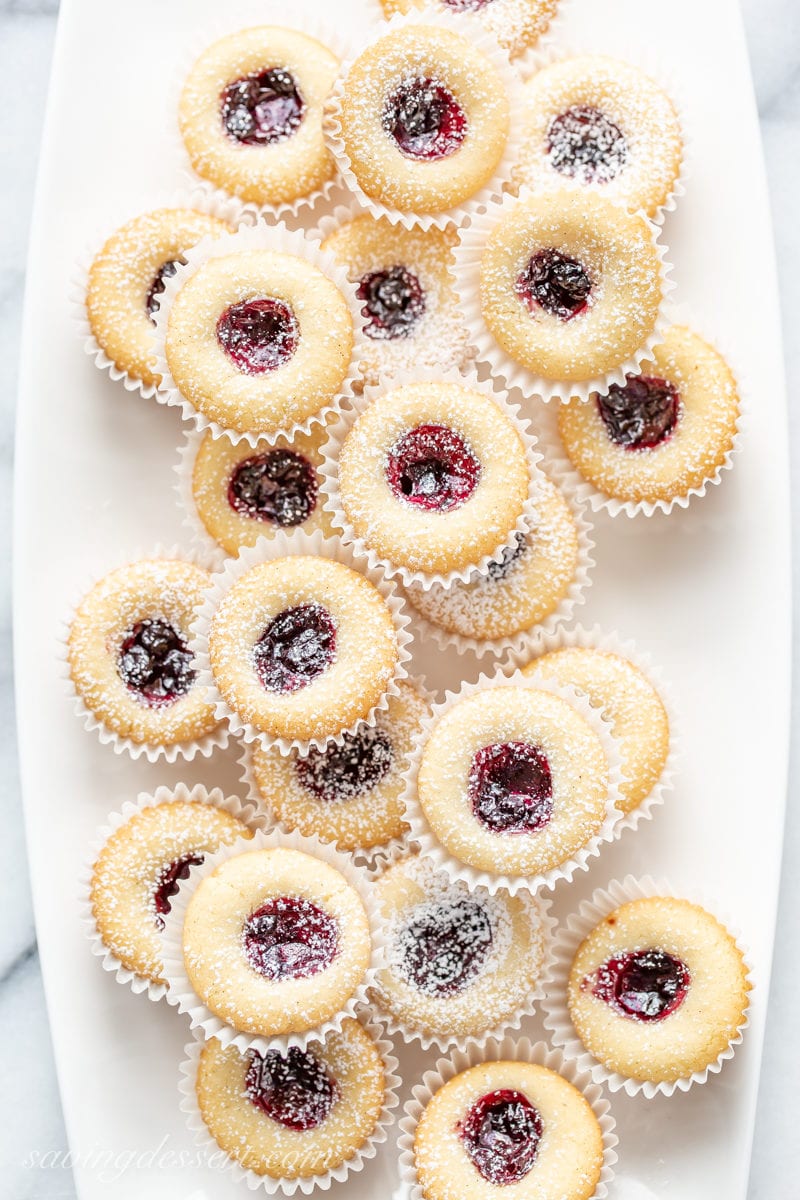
{"type": "Point", "coordinates": [33, 1161]}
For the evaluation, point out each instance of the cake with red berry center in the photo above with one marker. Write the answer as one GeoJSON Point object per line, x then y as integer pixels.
{"type": "Point", "coordinates": [404, 281]}
{"type": "Point", "coordinates": [258, 341]}
{"type": "Point", "coordinates": [517, 24]}
{"type": "Point", "coordinates": [510, 1127]}
{"type": "Point", "coordinates": [127, 278]}
{"type": "Point", "coordinates": [350, 794]}
{"type": "Point", "coordinates": [129, 656]}
{"type": "Point", "coordinates": [302, 647]}
{"type": "Point", "coordinates": [293, 1115]}
{"type": "Point", "coordinates": [605, 125]}
{"type": "Point", "coordinates": [570, 284]}
{"type": "Point", "coordinates": [275, 941]}
{"type": "Point", "coordinates": [459, 962]}
{"type": "Point", "coordinates": [140, 869]}
{"type": "Point", "coordinates": [513, 780]}
{"type": "Point", "coordinates": [658, 990]}
{"type": "Point", "coordinates": [424, 117]}
{"type": "Point", "coordinates": [663, 433]}
{"type": "Point", "coordinates": [522, 590]}
{"type": "Point", "coordinates": [433, 477]}
{"type": "Point", "coordinates": [251, 114]}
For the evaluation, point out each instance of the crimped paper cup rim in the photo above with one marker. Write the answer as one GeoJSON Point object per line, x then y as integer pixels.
{"type": "Point", "coordinates": [515, 1050]}
{"type": "Point", "coordinates": [182, 995]}
{"type": "Point", "coordinates": [207, 548]}
{"type": "Point", "coordinates": [278, 239]}
{"type": "Point", "coordinates": [283, 545]}
{"type": "Point", "coordinates": [195, 794]}
{"type": "Point", "coordinates": [289, 1187]}
{"type": "Point", "coordinates": [514, 375]}
{"type": "Point", "coordinates": [572, 933]}
{"type": "Point", "coordinates": [205, 746]}
{"type": "Point", "coordinates": [423, 837]}
{"type": "Point", "coordinates": [329, 471]}
{"type": "Point", "coordinates": [472, 29]}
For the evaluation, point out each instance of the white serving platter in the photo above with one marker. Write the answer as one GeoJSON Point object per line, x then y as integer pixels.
{"type": "Point", "coordinates": [705, 591]}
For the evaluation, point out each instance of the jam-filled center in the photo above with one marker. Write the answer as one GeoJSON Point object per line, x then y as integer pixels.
{"type": "Point", "coordinates": [466, 5]}
{"type": "Point", "coordinates": [297, 646]}
{"type": "Point", "coordinates": [169, 882]}
{"type": "Point", "coordinates": [444, 946]}
{"type": "Point", "coordinates": [646, 985]}
{"type": "Point", "coordinates": [260, 109]}
{"type": "Point", "coordinates": [158, 285]}
{"type": "Point", "coordinates": [501, 1134]}
{"type": "Point", "coordinates": [393, 302]}
{"type": "Point", "coordinates": [511, 556]}
{"type": "Point", "coordinates": [258, 335]}
{"type": "Point", "coordinates": [433, 467]}
{"type": "Point", "coordinates": [557, 283]}
{"type": "Point", "coordinates": [279, 486]}
{"type": "Point", "coordinates": [642, 413]}
{"type": "Point", "coordinates": [155, 662]}
{"type": "Point", "coordinates": [295, 1089]}
{"type": "Point", "coordinates": [344, 772]}
{"type": "Point", "coordinates": [585, 144]}
{"type": "Point", "coordinates": [290, 938]}
{"type": "Point", "coordinates": [511, 788]}
{"type": "Point", "coordinates": [425, 119]}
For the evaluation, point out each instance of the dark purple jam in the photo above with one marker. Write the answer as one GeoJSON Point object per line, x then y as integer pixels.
{"type": "Point", "coordinates": [557, 283]}
{"type": "Point", "coordinates": [155, 662]}
{"type": "Point", "coordinates": [290, 938]}
{"type": "Point", "coordinates": [501, 1134]}
{"type": "Point", "coordinates": [158, 286]}
{"type": "Point", "coordinates": [511, 555]}
{"type": "Point", "coordinates": [466, 5]}
{"type": "Point", "coordinates": [258, 335]}
{"type": "Point", "coordinates": [294, 1089]}
{"type": "Point", "coordinates": [510, 788]}
{"type": "Point", "coordinates": [583, 143]}
{"type": "Point", "coordinates": [646, 985]}
{"type": "Point", "coordinates": [297, 646]}
{"type": "Point", "coordinates": [641, 414]}
{"type": "Point", "coordinates": [169, 882]}
{"type": "Point", "coordinates": [344, 772]}
{"type": "Point", "coordinates": [433, 467]}
{"type": "Point", "coordinates": [393, 302]}
{"type": "Point", "coordinates": [425, 119]}
{"type": "Point", "coordinates": [279, 487]}
{"type": "Point", "coordinates": [258, 110]}
{"type": "Point", "coordinates": [444, 946]}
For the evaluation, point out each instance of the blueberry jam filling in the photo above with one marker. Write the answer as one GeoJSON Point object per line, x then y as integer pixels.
{"type": "Point", "coordinates": [296, 647]}
{"type": "Point", "coordinates": [155, 662]}
{"type": "Point", "coordinates": [279, 487]}
{"type": "Point", "coordinates": [290, 938]}
{"type": "Point", "coordinates": [258, 335]}
{"type": "Point", "coordinates": [467, 5]}
{"type": "Point", "coordinates": [294, 1089]}
{"type": "Point", "coordinates": [346, 771]}
{"type": "Point", "coordinates": [393, 303]}
{"type": "Point", "coordinates": [169, 882]}
{"type": "Point", "coordinates": [583, 143]}
{"type": "Point", "coordinates": [158, 286]}
{"type": "Point", "coordinates": [646, 985]}
{"type": "Point", "coordinates": [433, 467]}
{"type": "Point", "coordinates": [557, 283]}
{"type": "Point", "coordinates": [501, 1134]}
{"type": "Point", "coordinates": [511, 555]}
{"type": "Point", "coordinates": [641, 414]}
{"type": "Point", "coordinates": [444, 946]}
{"type": "Point", "coordinates": [511, 788]}
{"type": "Point", "coordinates": [261, 109]}
{"type": "Point", "coordinates": [425, 119]}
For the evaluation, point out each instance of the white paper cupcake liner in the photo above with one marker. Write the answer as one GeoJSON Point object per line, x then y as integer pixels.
{"type": "Point", "coordinates": [284, 545]}
{"type": "Point", "coordinates": [205, 746]}
{"type": "Point", "coordinates": [545, 420]}
{"type": "Point", "coordinates": [244, 810]}
{"type": "Point", "coordinates": [199, 196]}
{"type": "Point", "coordinates": [570, 936]}
{"type": "Point", "coordinates": [330, 475]}
{"type": "Point", "coordinates": [512, 374]}
{"type": "Point", "coordinates": [260, 237]}
{"type": "Point", "coordinates": [182, 995]}
{"type": "Point", "coordinates": [484, 41]}
{"type": "Point", "coordinates": [208, 550]}
{"type": "Point", "coordinates": [508, 1050]}
{"type": "Point", "coordinates": [521, 642]}
{"type": "Point", "coordinates": [290, 1187]}
{"type": "Point", "coordinates": [597, 639]}
{"type": "Point", "coordinates": [423, 837]}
